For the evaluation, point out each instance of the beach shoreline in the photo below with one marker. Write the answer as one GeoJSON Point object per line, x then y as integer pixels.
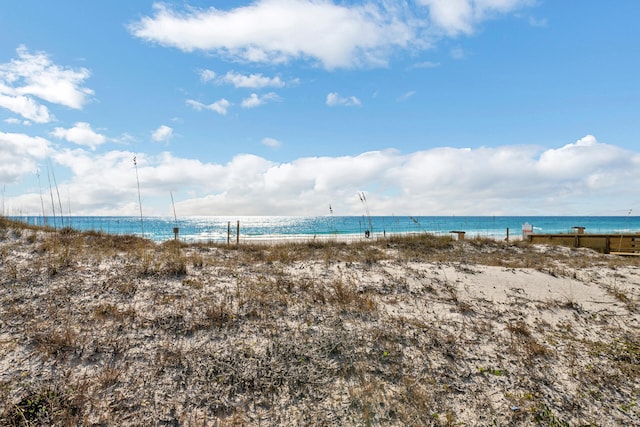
{"type": "Point", "coordinates": [212, 229]}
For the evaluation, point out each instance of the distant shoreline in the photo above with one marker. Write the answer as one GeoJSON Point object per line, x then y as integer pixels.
{"type": "Point", "coordinates": [220, 229]}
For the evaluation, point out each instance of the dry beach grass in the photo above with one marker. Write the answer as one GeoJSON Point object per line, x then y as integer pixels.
{"type": "Point", "coordinates": [420, 330]}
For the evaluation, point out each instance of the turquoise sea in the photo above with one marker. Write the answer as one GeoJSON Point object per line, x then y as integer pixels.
{"type": "Point", "coordinates": [222, 229]}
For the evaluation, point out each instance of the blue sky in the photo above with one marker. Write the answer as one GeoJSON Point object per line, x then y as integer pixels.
{"type": "Point", "coordinates": [284, 107]}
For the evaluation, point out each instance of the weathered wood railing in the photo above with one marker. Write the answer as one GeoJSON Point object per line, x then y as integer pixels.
{"type": "Point", "coordinates": [623, 244]}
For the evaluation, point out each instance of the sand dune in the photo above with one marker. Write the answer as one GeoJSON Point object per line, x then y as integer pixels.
{"type": "Point", "coordinates": [99, 330]}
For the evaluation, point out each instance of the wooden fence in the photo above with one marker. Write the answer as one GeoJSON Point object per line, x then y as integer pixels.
{"type": "Point", "coordinates": [621, 244]}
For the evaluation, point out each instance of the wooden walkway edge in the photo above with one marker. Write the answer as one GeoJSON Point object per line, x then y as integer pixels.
{"type": "Point", "coordinates": [618, 244]}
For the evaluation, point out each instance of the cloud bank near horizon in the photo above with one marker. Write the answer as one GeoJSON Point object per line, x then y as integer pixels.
{"type": "Point", "coordinates": [506, 180]}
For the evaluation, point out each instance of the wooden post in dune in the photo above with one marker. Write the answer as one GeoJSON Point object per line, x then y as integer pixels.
{"type": "Point", "coordinates": [238, 233]}
{"type": "Point", "coordinates": [228, 232]}
{"type": "Point", "coordinates": [507, 235]}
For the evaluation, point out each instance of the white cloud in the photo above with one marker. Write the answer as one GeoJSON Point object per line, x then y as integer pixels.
{"type": "Point", "coordinates": [335, 34]}
{"type": "Point", "coordinates": [461, 16]}
{"type": "Point", "coordinates": [35, 76]}
{"type": "Point", "coordinates": [81, 134]}
{"type": "Point", "coordinates": [256, 81]}
{"type": "Point", "coordinates": [26, 107]}
{"type": "Point", "coordinates": [221, 106]}
{"type": "Point", "coordinates": [271, 143]}
{"type": "Point", "coordinates": [238, 80]}
{"type": "Point", "coordinates": [454, 16]}
{"type": "Point", "coordinates": [162, 134]}
{"type": "Point", "coordinates": [582, 178]}
{"type": "Point", "coordinates": [252, 101]}
{"type": "Point", "coordinates": [255, 100]}
{"type": "Point", "coordinates": [15, 121]}
{"type": "Point", "coordinates": [207, 75]}
{"type": "Point", "coordinates": [124, 138]}
{"type": "Point", "coordinates": [491, 181]}
{"type": "Point", "coordinates": [334, 99]}
{"type": "Point", "coordinates": [106, 184]}
{"type": "Point", "coordinates": [281, 30]}
{"type": "Point", "coordinates": [586, 154]}
{"type": "Point", "coordinates": [19, 155]}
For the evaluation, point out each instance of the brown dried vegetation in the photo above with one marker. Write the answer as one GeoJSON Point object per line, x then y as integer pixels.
{"type": "Point", "coordinates": [116, 330]}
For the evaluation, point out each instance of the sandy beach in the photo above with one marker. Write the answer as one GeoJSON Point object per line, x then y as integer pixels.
{"type": "Point", "coordinates": [421, 330]}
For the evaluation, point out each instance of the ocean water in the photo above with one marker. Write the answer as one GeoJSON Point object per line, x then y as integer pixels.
{"type": "Point", "coordinates": [223, 229]}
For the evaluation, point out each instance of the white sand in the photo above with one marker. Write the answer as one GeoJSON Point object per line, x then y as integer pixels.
{"type": "Point", "coordinates": [383, 336]}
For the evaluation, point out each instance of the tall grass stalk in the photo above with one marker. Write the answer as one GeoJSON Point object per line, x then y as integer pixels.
{"type": "Point", "coordinates": [173, 205]}
{"type": "Point", "coordinates": [135, 164]}
{"type": "Point", "coordinates": [53, 174]}
{"type": "Point", "coordinates": [44, 216]}
{"type": "Point", "coordinates": [363, 199]}
{"type": "Point", "coordinates": [53, 205]}
{"type": "Point", "coordinates": [175, 220]}
{"type": "Point", "coordinates": [333, 221]}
